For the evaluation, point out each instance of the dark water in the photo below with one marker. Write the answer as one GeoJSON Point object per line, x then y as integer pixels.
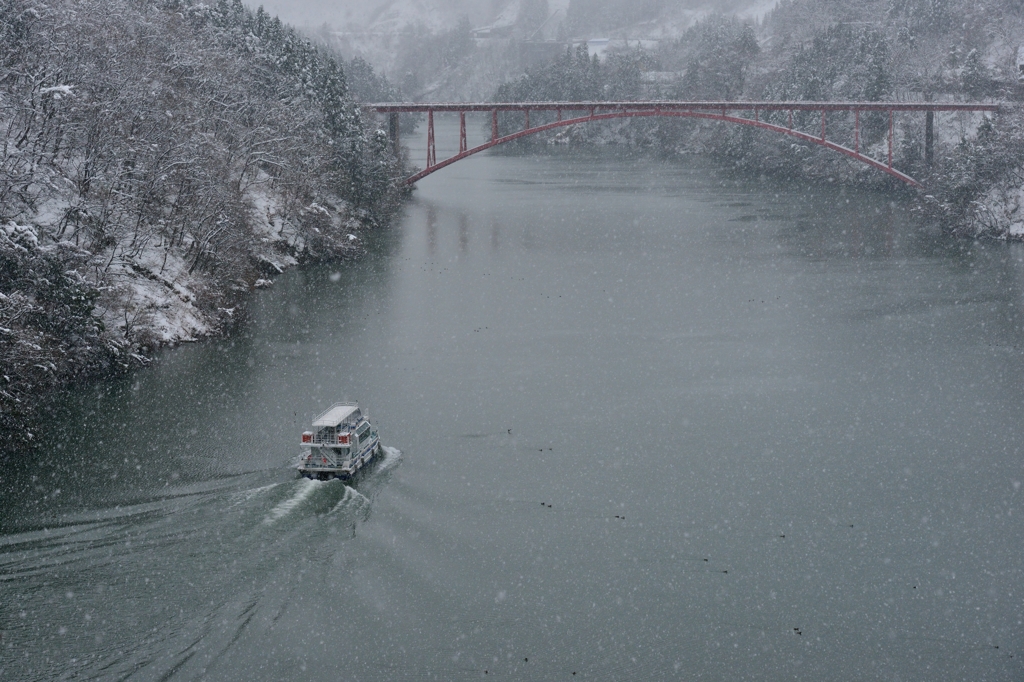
{"type": "Point", "coordinates": [647, 422]}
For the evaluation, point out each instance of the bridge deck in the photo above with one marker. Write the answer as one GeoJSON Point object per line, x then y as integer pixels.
{"type": "Point", "coordinates": [720, 111]}
{"type": "Point", "coordinates": [420, 107]}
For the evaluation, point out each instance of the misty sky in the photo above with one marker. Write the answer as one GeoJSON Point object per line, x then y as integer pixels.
{"type": "Point", "coordinates": [342, 13]}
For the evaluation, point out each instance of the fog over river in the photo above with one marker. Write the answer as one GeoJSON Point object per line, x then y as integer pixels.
{"type": "Point", "coordinates": [645, 421]}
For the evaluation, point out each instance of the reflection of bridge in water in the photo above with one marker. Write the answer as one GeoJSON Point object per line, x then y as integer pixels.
{"type": "Point", "coordinates": [764, 115]}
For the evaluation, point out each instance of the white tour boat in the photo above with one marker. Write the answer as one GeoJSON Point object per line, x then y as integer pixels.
{"type": "Point", "coordinates": [341, 443]}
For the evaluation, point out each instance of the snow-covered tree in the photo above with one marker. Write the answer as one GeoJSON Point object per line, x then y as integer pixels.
{"type": "Point", "coordinates": [167, 142]}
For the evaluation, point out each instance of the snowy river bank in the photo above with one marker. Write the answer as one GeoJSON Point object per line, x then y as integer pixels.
{"type": "Point", "coordinates": [77, 315]}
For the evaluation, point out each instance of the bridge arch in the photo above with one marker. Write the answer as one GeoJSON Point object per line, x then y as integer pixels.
{"type": "Point", "coordinates": [716, 111]}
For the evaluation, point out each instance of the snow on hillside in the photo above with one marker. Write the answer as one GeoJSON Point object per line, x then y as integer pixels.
{"type": "Point", "coordinates": [397, 15]}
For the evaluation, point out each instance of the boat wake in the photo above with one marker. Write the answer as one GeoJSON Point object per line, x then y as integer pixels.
{"type": "Point", "coordinates": [306, 488]}
{"type": "Point", "coordinates": [243, 496]}
{"type": "Point", "coordinates": [392, 458]}
{"type": "Point", "coordinates": [352, 500]}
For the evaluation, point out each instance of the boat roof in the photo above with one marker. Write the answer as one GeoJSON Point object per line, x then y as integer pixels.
{"type": "Point", "coordinates": [336, 414]}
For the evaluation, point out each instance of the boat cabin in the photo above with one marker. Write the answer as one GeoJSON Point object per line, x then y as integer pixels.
{"type": "Point", "coordinates": [334, 427]}
{"type": "Point", "coordinates": [343, 441]}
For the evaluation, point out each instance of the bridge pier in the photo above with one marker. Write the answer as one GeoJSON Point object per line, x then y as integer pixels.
{"type": "Point", "coordinates": [929, 138]}
{"type": "Point", "coordinates": [856, 131]}
{"type": "Point", "coordinates": [396, 145]}
{"type": "Point", "coordinates": [890, 137]}
{"type": "Point", "coordinates": [431, 147]}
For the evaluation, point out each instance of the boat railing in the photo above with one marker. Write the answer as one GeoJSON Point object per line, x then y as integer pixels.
{"type": "Point", "coordinates": [323, 458]}
{"type": "Point", "coordinates": [329, 438]}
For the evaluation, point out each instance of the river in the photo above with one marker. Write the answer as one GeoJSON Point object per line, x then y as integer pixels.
{"type": "Point", "coordinates": [644, 420]}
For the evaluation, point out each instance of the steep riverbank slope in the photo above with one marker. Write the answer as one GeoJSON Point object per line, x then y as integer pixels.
{"type": "Point", "coordinates": [159, 160]}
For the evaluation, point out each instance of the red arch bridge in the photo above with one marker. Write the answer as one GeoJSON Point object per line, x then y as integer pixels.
{"type": "Point", "coordinates": [742, 113]}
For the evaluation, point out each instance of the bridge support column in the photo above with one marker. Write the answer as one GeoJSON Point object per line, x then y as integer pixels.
{"type": "Point", "coordinates": [431, 150]}
{"type": "Point", "coordinates": [856, 130]}
{"type": "Point", "coordinates": [396, 145]}
{"type": "Point", "coordinates": [890, 138]}
{"type": "Point", "coordinates": [462, 132]}
{"type": "Point", "coordinates": [929, 137]}
{"type": "Point", "coordinates": [494, 125]}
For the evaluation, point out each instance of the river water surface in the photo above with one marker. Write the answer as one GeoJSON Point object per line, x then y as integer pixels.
{"type": "Point", "coordinates": [645, 421]}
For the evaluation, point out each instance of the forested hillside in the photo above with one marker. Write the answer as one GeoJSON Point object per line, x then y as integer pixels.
{"type": "Point", "coordinates": [890, 50]}
{"type": "Point", "coordinates": [160, 158]}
